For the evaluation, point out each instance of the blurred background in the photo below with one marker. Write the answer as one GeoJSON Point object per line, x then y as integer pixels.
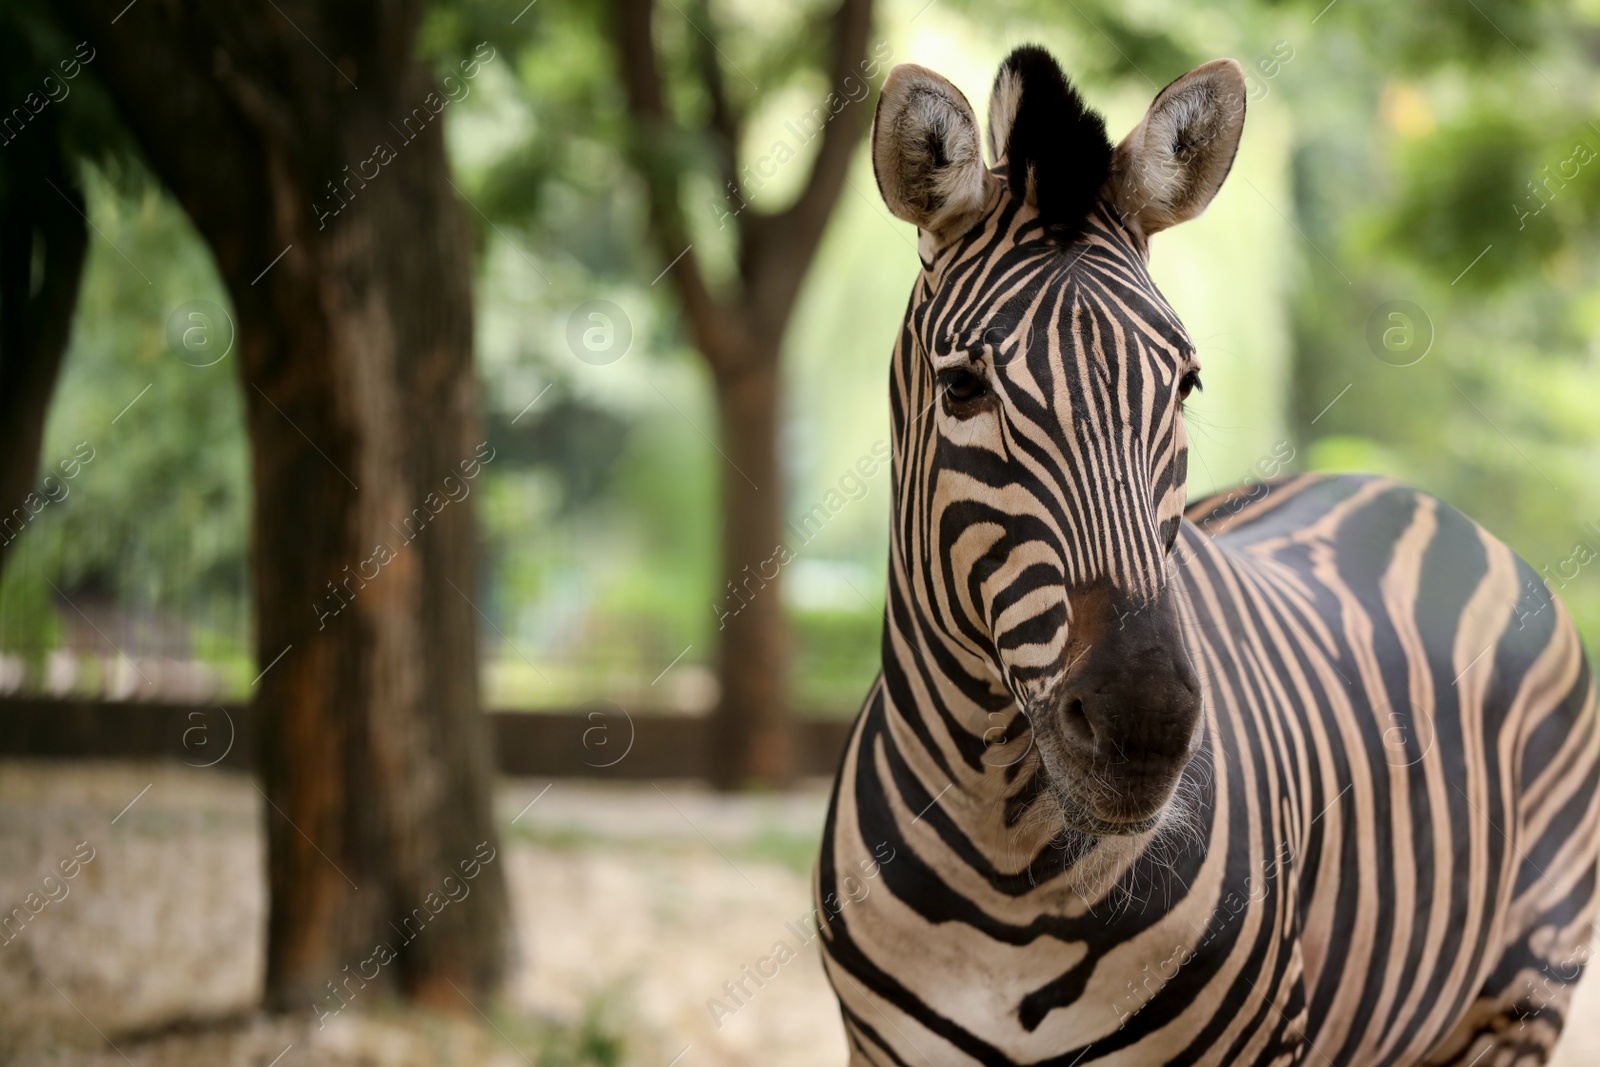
{"type": "Point", "coordinates": [404, 404]}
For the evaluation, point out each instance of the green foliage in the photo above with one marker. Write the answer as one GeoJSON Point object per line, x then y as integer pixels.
{"type": "Point", "coordinates": [836, 650]}
{"type": "Point", "coordinates": [777, 844]}
{"type": "Point", "coordinates": [1428, 35]}
{"type": "Point", "coordinates": [599, 1038]}
{"type": "Point", "coordinates": [29, 625]}
{"type": "Point", "coordinates": [629, 569]}
{"type": "Point", "coordinates": [1475, 197]}
{"type": "Point", "coordinates": [1389, 159]}
{"type": "Point", "coordinates": [157, 519]}
{"type": "Point", "coordinates": [771, 841]}
{"type": "Point", "coordinates": [1491, 178]}
{"type": "Point", "coordinates": [36, 56]}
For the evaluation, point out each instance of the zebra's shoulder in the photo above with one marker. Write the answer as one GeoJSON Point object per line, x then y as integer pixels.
{"type": "Point", "coordinates": [1361, 515]}
{"type": "Point", "coordinates": [1374, 536]}
{"type": "Point", "coordinates": [1280, 503]}
{"type": "Point", "coordinates": [1363, 518]}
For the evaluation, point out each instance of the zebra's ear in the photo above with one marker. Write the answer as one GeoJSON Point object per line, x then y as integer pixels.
{"type": "Point", "coordinates": [927, 153]}
{"type": "Point", "coordinates": [1167, 170]}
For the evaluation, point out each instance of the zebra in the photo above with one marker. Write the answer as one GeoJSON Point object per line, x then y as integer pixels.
{"type": "Point", "coordinates": [1302, 773]}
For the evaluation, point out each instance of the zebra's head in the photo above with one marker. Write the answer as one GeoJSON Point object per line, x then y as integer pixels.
{"type": "Point", "coordinates": [1039, 387]}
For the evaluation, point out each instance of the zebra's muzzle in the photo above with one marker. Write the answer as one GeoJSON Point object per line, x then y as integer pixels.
{"type": "Point", "coordinates": [1118, 731]}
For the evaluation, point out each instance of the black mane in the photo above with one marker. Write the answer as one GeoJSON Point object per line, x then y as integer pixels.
{"type": "Point", "coordinates": [1056, 140]}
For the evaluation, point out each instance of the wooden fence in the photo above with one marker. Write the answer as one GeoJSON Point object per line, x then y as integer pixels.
{"type": "Point", "coordinates": [596, 741]}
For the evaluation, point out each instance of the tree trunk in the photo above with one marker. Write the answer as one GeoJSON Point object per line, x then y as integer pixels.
{"type": "Point", "coordinates": [751, 734]}
{"type": "Point", "coordinates": [355, 341]}
{"type": "Point", "coordinates": [381, 744]}
{"type": "Point", "coordinates": [740, 337]}
{"type": "Point", "coordinates": [40, 226]}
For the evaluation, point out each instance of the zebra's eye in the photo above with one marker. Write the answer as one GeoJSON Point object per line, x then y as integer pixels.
{"type": "Point", "coordinates": [962, 389]}
{"type": "Point", "coordinates": [1188, 384]}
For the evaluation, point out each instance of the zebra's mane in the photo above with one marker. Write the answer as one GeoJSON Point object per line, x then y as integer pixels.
{"type": "Point", "coordinates": [1053, 145]}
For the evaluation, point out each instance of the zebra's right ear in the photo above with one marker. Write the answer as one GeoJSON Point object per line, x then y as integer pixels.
{"type": "Point", "coordinates": [927, 152]}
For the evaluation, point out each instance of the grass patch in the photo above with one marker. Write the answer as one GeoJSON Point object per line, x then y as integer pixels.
{"type": "Point", "coordinates": [771, 843]}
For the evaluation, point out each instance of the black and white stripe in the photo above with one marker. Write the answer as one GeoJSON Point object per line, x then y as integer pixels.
{"type": "Point", "coordinates": [1305, 776]}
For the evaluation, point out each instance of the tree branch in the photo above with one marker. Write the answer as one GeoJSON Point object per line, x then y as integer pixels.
{"type": "Point", "coordinates": [654, 138]}
{"type": "Point", "coordinates": [725, 125]}
{"type": "Point", "coordinates": [783, 245]}
{"type": "Point", "coordinates": [218, 177]}
{"type": "Point", "coordinates": [40, 210]}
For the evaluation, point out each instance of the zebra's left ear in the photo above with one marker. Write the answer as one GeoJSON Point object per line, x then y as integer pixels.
{"type": "Point", "coordinates": [1167, 170]}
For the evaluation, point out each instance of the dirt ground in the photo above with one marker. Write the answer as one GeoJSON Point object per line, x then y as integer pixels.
{"type": "Point", "coordinates": [633, 906]}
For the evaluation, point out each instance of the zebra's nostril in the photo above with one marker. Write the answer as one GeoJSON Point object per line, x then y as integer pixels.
{"type": "Point", "coordinates": [1075, 721]}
